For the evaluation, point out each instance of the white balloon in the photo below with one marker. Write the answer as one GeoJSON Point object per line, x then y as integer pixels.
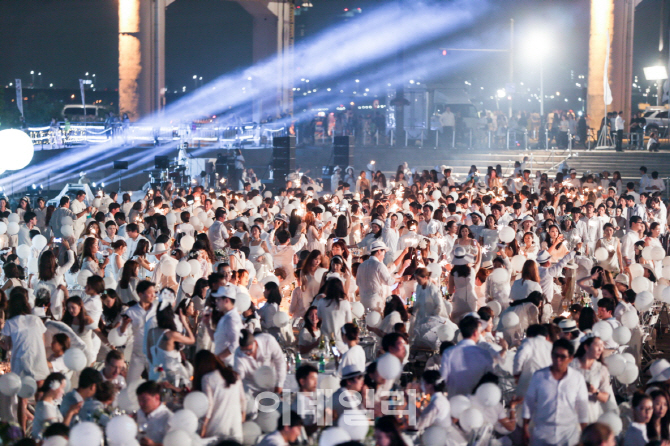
{"type": "Point", "coordinates": [28, 387]}
{"type": "Point", "coordinates": [358, 310]}
{"type": "Point", "coordinates": [265, 377]}
{"type": "Point", "coordinates": [187, 242]}
{"type": "Point", "coordinates": [241, 206]}
{"type": "Point", "coordinates": [39, 242]}
{"type": "Point", "coordinates": [446, 332]}
{"type": "Point", "coordinates": [488, 394]}
{"type": "Point", "coordinates": [389, 367]}
{"type": "Point", "coordinates": [33, 266]}
{"type": "Point", "coordinates": [196, 269]}
{"type": "Point", "coordinates": [665, 296]}
{"type": "Point", "coordinates": [644, 300]}
{"type": "Point", "coordinates": [435, 435]}
{"type": "Point", "coordinates": [499, 275]}
{"type": "Point", "coordinates": [510, 319]}
{"type": "Point", "coordinates": [471, 419]}
{"type": "Point", "coordinates": [495, 306]}
{"type": "Point", "coordinates": [435, 270]}
{"type": "Point", "coordinates": [75, 359]}
{"type": "Point", "coordinates": [116, 338]}
{"type": "Point", "coordinates": [110, 282]}
{"type": "Point", "coordinates": [257, 200]}
{"type": "Point", "coordinates": [603, 330]}
{"type": "Point", "coordinates": [630, 319]}
{"type": "Point", "coordinates": [169, 266]}
{"type": "Point", "coordinates": [126, 402]}
{"type": "Point", "coordinates": [121, 430]}
{"type": "Point", "coordinates": [621, 335]}
{"type": "Point", "coordinates": [657, 254]}
{"type": "Point", "coordinates": [373, 319]}
{"type": "Point", "coordinates": [183, 268]}
{"type": "Point", "coordinates": [171, 218]}
{"type": "Point", "coordinates": [616, 364]}
{"type": "Point", "coordinates": [665, 272]}
{"type": "Point", "coordinates": [459, 404]}
{"type": "Point", "coordinates": [10, 384]}
{"type": "Point", "coordinates": [197, 403]}
{"type": "Point", "coordinates": [280, 319]}
{"type": "Point", "coordinates": [250, 433]}
{"type": "Point", "coordinates": [13, 218]}
{"type": "Point", "coordinates": [188, 285]}
{"type": "Point", "coordinates": [3, 227]}
{"type": "Point", "coordinates": [506, 234]}
{"type": "Point", "coordinates": [659, 290]}
{"type": "Point", "coordinates": [355, 423]}
{"type": "Point", "coordinates": [66, 221]}
{"type": "Point", "coordinates": [242, 302]}
{"type": "Point", "coordinates": [640, 284]}
{"type": "Point", "coordinates": [613, 420]}
{"type": "Point", "coordinates": [666, 261]}
{"type": "Point", "coordinates": [601, 254]}
{"type": "Point", "coordinates": [208, 223]}
{"type": "Point", "coordinates": [518, 261]}
{"type": "Point", "coordinates": [177, 437]}
{"type": "Point", "coordinates": [636, 270]}
{"type": "Point", "coordinates": [184, 420]}
{"type": "Point", "coordinates": [646, 252]}
{"type": "Point", "coordinates": [629, 374]}
{"type": "Point", "coordinates": [267, 421]}
{"type": "Point", "coordinates": [628, 357]}
{"type": "Point", "coordinates": [13, 228]}
{"type": "Point", "coordinates": [66, 230]}
{"type": "Point", "coordinates": [85, 433]}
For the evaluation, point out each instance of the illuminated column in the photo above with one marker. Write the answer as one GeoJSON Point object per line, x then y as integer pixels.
{"type": "Point", "coordinates": [141, 56]}
{"type": "Point", "coordinates": [617, 16]}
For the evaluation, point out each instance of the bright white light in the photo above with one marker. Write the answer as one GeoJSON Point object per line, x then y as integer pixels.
{"type": "Point", "coordinates": [411, 81]}
{"type": "Point", "coordinates": [538, 45]}
{"type": "Point", "coordinates": [656, 73]}
{"type": "Point", "coordinates": [16, 149]}
{"type": "Point", "coordinates": [501, 93]}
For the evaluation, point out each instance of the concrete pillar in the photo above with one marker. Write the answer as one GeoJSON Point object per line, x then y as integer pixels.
{"type": "Point", "coordinates": [617, 16]}
{"type": "Point", "coordinates": [141, 56]}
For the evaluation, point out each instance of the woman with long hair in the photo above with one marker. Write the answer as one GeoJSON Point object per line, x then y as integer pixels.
{"type": "Point", "coordinates": [112, 309]}
{"type": "Point", "coordinates": [612, 245]}
{"type": "Point", "coordinates": [394, 313]}
{"type": "Point", "coordinates": [128, 282]}
{"type": "Point", "coordinates": [310, 334]}
{"type": "Point", "coordinates": [89, 258]}
{"type": "Point", "coordinates": [339, 269]}
{"type": "Point", "coordinates": [588, 361]}
{"type": "Point", "coordinates": [314, 232]}
{"type": "Point", "coordinates": [387, 431]}
{"type": "Point", "coordinates": [51, 278]}
{"type": "Point", "coordinates": [257, 246]}
{"type": "Point", "coordinates": [376, 229]}
{"type": "Point", "coordinates": [116, 260]}
{"type": "Point", "coordinates": [140, 256]}
{"type": "Point", "coordinates": [46, 410]}
{"type": "Point", "coordinates": [273, 297]}
{"type": "Point", "coordinates": [529, 281]}
{"type": "Point", "coordinates": [658, 428]}
{"type": "Point", "coordinates": [334, 309]}
{"type": "Point", "coordinates": [555, 244]}
{"type": "Point", "coordinates": [466, 240]}
{"type": "Point", "coordinates": [92, 230]}
{"type": "Point", "coordinates": [309, 283]}
{"type": "Point", "coordinates": [462, 283]}
{"type": "Point", "coordinates": [225, 393]}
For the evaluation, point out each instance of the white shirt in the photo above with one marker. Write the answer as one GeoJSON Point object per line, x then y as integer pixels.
{"type": "Point", "coordinates": [333, 317]}
{"type": "Point", "coordinates": [156, 423]}
{"type": "Point", "coordinates": [225, 406]}
{"type": "Point", "coordinates": [227, 334]}
{"type": "Point", "coordinates": [372, 279]}
{"type": "Point", "coordinates": [273, 439]}
{"type": "Point", "coordinates": [628, 246]}
{"type": "Point", "coordinates": [547, 275]}
{"type": "Point", "coordinates": [532, 355]}
{"type": "Point", "coordinates": [618, 123]}
{"type": "Point", "coordinates": [556, 407]}
{"type": "Point", "coordinates": [356, 356]}
{"type": "Point", "coordinates": [218, 234]}
{"type": "Point", "coordinates": [268, 352]}
{"type": "Point", "coordinates": [139, 317]}
{"type": "Point", "coordinates": [463, 365]}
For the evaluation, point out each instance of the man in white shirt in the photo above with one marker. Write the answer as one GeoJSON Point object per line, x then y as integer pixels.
{"type": "Point", "coordinates": [286, 433]}
{"type": "Point", "coordinates": [373, 277]}
{"type": "Point", "coordinates": [132, 239]}
{"type": "Point", "coordinates": [606, 308]}
{"type": "Point", "coordinates": [307, 404]}
{"type": "Point", "coordinates": [633, 210]}
{"type": "Point", "coordinates": [533, 354]}
{"type": "Point", "coordinates": [618, 128]}
{"type": "Point", "coordinates": [655, 184]}
{"type": "Point", "coordinates": [153, 415]}
{"type": "Point", "coordinates": [448, 122]}
{"type": "Point", "coordinates": [573, 181]}
{"type": "Point", "coordinates": [255, 351]}
{"type": "Point", "coordinates": [556, 401]}
{"type": "Point", "coordinates": [218, 234]}
{"type": "Point", "coordinates": [113, 369]}
{"type": "Point", "coordinates": [227, 334]}
{"type": "Point", "coordinates": [185, 226]}
{"type": "Point", "coordinates": [138, 315]}
{"type": "Point", "coordinates": [81, 211]}
{"type": "Point", "coordinates": [628, 241]}
{"type": "Point", "coordinates": [549, 272]}
{"type": "Point", "coordinates": [30, 223]}
{"type": "Point", "coordinates": [591, 230]}
{"type": "Point", "coordinates": [464, 364]}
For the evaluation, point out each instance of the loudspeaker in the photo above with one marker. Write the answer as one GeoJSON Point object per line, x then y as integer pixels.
{"type": "Point", "coordinates": [121, 165]}
{"type": "Point", "coordinates": [343, 151]}
{"type": "Point", "coordinates": [161, 162]}
{"type": "Point", "coordinates": [283, 158]}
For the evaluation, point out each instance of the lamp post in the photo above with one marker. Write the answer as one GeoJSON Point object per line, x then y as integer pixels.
{"type": "Point", "coordinates": [195, 81]}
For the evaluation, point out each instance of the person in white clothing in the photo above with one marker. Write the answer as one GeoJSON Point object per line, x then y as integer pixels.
{"type": "Point", "coordinates": [533, 354]}
{"type": "Point", "coordinates": [354, 355]}
{"type": "Point", "coordinates": [373, 277]}
{"type": "Point", "coordinates": [556, 401]}
{"type": "Point", "coordinates": [228, 327]}
{"type": "Point", "coordinates": [138, 315]}
{"type": "Point", "coordinates": [255, 351]}
{"type": "Point", "coordinates": [286, 432]}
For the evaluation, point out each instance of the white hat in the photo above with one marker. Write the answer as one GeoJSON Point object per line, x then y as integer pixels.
{"type": "Point", "coordinates": [377, 222]}
{"type": "Point", "coordinates": [622, 278]}
{"type": "Point", "coordinates": [543, 256]}
{"type": "Point", "coordinates": [528, 218]}
{"type": "Point", "coordinates": [337, 168]}
{"type": "Point", "coordinates": [350, 371]}
{"type": "Point", "coordinates": [433, 227]}
{"type": "Point", "coordinates": [228, 291]}
{"type": "Point", "coordinates": [459, 252]}
{"type": "Point", "coordinates": [660, 370]}
{"type": "Point", "coordinates": [159, 248]}
{"type": "Point", "coordinates": [568, 325]}
{"type": "Point", "coordinates": [464, 260]}
{"type": "Point", "coordinates": [378, 245]}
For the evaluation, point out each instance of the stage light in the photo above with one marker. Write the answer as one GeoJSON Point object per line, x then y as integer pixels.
{"type": "Point", "coordinates": [16, 149]}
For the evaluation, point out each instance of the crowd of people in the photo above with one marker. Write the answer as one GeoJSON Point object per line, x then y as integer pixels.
{"type": "Point", "coordinates": [425, 309]}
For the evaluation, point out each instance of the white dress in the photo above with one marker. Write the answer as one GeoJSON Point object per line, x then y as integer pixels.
{"type": "Point", "coordinates": [45, 412]}
{"type": "Point", "coordinates": [332, 317]}
{"type": "Point", "coordinates": [489, 241]}
{"type": "Point", "coordinates": [306, 338]}
{"type": "Point", "coordinates": [29, 356]}
{"type": "Point", "coordinates": [599, 377]}
{"type": "Point", "coordinates": [225, 406]}
{"type": "Point", "coordinates": [313, 242]}
{"type": "Point", "coordinates": [465, 296]}
{"type": "Point", "coordinates": [170, 361]}
{"type": "Point", "coordinates": [612, 262]}
{"type": "Point", "coordinates": [112, 270]}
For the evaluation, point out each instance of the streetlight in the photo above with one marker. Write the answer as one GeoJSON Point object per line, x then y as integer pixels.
{"type": "Point", "coordinates": [32, 74]}
{"type": "Point", "coordinates": [657, 73]}
{"type": "Point", "coordinates": [538, 46]}
{"type": "Point", "coordinates": [39, 77]}
{"type": "Point", "coordinates": [195, 80]}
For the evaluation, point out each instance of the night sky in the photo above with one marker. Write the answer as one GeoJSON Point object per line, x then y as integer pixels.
{"type": "Point", "coordinates": [66, 38]}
